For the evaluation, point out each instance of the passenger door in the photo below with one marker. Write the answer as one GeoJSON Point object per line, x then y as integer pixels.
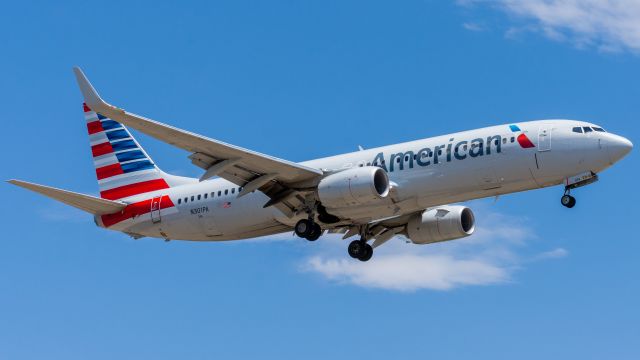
{"type": "Point", "coordinates": [544, 139]}
{"type": "Point", "coordinates": [155, 209]}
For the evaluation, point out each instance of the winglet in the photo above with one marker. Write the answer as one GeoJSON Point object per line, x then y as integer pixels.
{"type": "Point", "coordinates": [91, 97]}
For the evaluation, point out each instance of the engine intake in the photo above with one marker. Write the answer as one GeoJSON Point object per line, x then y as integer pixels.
{"type": "Point", "coordinates": [441, 224]}
{"type": "Point", "coordinates": [354, 187]}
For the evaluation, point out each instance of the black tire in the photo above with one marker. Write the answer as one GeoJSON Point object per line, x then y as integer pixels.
{"type": "Point", "coordinates": [315, 233]}
{"type": "Point", "coordinates": [303, 228]}
{"type": "Point", "coordinates": [367, 253]}
{"type": "Point", "coordinates": [356, 248]}
{"type": "Point", "coordinates": [568, 201]}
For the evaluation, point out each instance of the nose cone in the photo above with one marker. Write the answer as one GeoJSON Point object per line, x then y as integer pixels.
{"type": "Point", "coordinates": [618, 147]}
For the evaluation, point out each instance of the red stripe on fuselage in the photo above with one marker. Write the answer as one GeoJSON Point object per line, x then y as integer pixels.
{"type": "Point", "coordinates": [134, 189]}
{"type": "Point", "coordinates": [94, 127]}
{"type": "Point", "coordinates": [109, 171]}
{"type": "Point", "coordinates": [85, 107]}
{"type": "Point", "coordinates": [133, 210]}
{"type": "Point", "coordinates": [101, 149]}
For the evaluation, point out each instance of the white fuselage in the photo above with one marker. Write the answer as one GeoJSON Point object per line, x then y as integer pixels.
{"type": "Point", "coordinates": [424, 173]}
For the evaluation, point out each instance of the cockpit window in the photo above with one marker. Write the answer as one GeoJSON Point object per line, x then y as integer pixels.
{"type": "Point", "coordinates": [577, 129]}
{"type": "Point", "coordinates": [598, 129]}
{"type": "Point", "coordinates": [587, 129]}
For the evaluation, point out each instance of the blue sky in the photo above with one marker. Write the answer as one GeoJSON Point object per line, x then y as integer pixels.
{"type": "Point", "coordinates": [302, 80]}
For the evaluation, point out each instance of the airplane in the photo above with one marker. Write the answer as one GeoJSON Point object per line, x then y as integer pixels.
{"type": "Point", "coordinates": [410, 189]}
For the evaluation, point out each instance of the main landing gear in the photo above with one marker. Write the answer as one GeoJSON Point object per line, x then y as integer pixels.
{"type": "Point", "coordinates": [308, 229]}
{"type": "Point", "coordinates": [567, 200]}
{"type": "Point", "coordinates": [359, 249]}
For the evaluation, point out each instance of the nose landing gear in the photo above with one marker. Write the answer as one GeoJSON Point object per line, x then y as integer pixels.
{"type": "Point", "coordinates": [567, 200]}
{"type": "Point", "coordinates": [576, 181]}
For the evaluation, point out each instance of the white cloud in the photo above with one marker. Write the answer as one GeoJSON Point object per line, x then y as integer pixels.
{"type": "Point", "coordinates": [471, 26]}
{"type": "Point", "coordinates": [552, 254]}
{"type": "Point", "coordinates": [407, 272]}
{"type": "Point", "coordinates": [607, 25]}
{"type": "Point", "coordinates": [490, 256]}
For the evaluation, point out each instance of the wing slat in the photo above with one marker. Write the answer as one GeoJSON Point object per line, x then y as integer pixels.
{"type": "Point", "coordinates": [255, 162]}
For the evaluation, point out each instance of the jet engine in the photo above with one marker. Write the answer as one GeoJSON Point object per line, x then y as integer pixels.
{"type": "Point", "coordinates": [441, 224]}
{"type": "Point", "coordinates": [354, 187]}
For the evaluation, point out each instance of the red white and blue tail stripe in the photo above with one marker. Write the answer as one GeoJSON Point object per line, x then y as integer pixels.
{"type": "Point", "coordinates": [123, 168]}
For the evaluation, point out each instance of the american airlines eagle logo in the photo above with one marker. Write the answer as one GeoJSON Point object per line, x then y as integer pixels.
{"type": "Point", "coordinates": [523, 140]}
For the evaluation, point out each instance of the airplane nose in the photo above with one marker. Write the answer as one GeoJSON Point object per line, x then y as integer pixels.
{"type": "Point", "coordinates": [618, 147]}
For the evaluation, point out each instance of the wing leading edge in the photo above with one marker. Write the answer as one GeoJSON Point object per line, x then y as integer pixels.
{"type": "Point", "coordinates": [250, 169]}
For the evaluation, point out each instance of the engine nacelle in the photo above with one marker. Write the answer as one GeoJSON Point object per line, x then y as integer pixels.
{"type": "Point", "coordinates": [441, 224]}
{"type": "Point", "coordinates": [354, 187]}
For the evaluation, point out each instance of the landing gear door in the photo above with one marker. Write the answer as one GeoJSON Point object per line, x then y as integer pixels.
{"type": "Point", "coordinates": [544, 139]}
{"type": "Point", "coordinates": [155, 209]}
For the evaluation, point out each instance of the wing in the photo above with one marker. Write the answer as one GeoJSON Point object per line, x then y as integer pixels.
{"type": "Point", "coordinates": [277, 178]}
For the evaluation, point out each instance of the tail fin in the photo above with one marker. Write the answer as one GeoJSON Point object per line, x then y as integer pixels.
{"type": "Point", "coordinates": [123, 168]}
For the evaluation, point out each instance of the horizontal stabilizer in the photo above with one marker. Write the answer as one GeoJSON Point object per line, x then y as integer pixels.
{"type": "Point", "coordinates": [88, 203]}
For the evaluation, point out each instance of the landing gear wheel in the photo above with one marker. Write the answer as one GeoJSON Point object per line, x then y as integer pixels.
{"type": "Point", "coordinates": [315, 232]}
{"type": "Point", "coordinates": [303, 228]}
{"type": "Point", "coordinates": [359, 249]}
{"type": "Point", "coordinates": [568, 201]}
{"type": "Point", "coordinates": [356, 248]}
{"type": "Point", "coordinates": [367, 254]}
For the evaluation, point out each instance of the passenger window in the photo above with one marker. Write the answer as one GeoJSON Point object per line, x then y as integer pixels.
{"type": "Point", "coordinates": [226, 191]}
{"type": "Point", "coordinates": [577, 129]}
{"type": "Point", "coordinates": [513, 139]}
{"type": "Point", "coordinates": [193, 198]}
{"type": "Point", "coordinates": [213, 193]}
{"type": "Point", "coordinates": [186, 199]}
{"type": "Point", "coordinates": [504, 141]}
{"type": "Point", "coordinates": [598, 129]}
{"type": "Point", "coordinates": [206, 195]}
{"type": "Point", "coordinates": [587, 129]}
{"type": "Point", "coordinates": [219, 193]}
{"type": "Point", "coordinates": [233, 190]}
{"type": "Point", "coordinates": [179, 201]}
